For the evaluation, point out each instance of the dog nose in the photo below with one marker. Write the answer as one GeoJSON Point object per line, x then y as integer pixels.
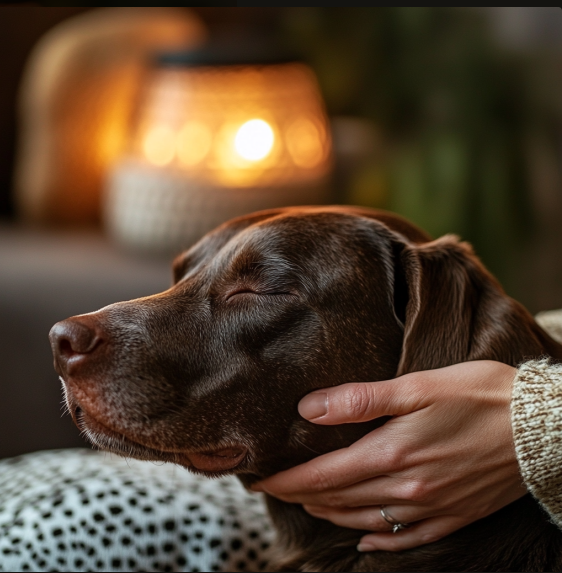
{"type": "Point", "coordinates": [72, 341]}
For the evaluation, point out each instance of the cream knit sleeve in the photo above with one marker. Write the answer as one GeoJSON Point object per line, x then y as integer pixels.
{"type": "Point", "coordinates": [536, 411]}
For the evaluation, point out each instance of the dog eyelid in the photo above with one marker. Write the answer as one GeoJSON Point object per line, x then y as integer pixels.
{"type": "Point", "coordinates": [241, 291]}
{"type": "Point", "coordinates": [249, 291]}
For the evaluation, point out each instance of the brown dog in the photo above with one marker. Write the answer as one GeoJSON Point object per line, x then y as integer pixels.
{"type": "Point", "coordinates": [274, 305]}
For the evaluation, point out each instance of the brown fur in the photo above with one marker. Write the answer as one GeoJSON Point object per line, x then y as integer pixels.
{"type": "Point", "coordinates": [270, 307]}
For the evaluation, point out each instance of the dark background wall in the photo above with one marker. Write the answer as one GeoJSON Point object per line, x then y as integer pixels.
{"type": "Point", "coordinates": [20, 28]}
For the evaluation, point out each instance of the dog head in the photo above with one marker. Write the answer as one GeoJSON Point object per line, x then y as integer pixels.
{"type": "Point", "coordinates": [265, 309]}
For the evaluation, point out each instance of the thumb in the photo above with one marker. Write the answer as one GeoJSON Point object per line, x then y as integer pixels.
{"type": "Point", "coordinates": [362, 401]}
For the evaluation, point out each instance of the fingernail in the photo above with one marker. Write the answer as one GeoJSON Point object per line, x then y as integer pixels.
{"type": "Point", "coordinates": [363, 547]}
{"type": "Point", "coordinates": [314, 405]}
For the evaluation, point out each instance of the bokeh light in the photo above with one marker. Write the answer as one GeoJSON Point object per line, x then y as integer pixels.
{"type": "Point", "coordinates": [235, 126]}
{"type": "Point", "coordinates": [304, 142]}
{"type": "Point", "coordinates": [160, 145]}
{"type": "Point", "coordinates": [254, 140]}
{"type": "Point", "coordinates": [194, 142]}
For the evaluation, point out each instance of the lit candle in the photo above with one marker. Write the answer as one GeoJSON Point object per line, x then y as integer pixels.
{"type": "Point", "coordinates": [228, 139]}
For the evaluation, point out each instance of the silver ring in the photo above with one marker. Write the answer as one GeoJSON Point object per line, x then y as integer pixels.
{"type": "Point", "coordinates": [396, 525]}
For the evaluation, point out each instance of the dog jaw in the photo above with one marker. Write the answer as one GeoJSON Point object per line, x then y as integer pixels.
{"type": "Point", "coordinates": [211, 461]}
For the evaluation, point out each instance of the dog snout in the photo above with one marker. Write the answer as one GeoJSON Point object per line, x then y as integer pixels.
{"type": "Point", "coordinates": [73, 341]}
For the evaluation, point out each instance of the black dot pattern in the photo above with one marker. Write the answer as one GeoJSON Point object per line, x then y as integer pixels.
{"type": "Point", "coordinates": [79, 510]}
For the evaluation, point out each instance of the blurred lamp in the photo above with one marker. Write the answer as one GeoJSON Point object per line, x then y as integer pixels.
{"type": "Point", "coordinates": [75, 101]}
{"type": "Point", "coordinates": [216, 136]}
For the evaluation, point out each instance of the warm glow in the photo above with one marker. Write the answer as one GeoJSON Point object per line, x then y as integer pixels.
{"type": "Point", "coordinates": [235, 126]}
{"type": "Point", "coordinates": [254, 140]}
{"type": "Point", "coordinates": [305, 143]}
{"type": "Point", "coordinates": [194, 142]}
{"type": "Point", "coordinates": [159, 145]}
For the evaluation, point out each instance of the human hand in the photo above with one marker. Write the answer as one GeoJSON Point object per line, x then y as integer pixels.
{"type": "Point", "coordinates": [445, 459]}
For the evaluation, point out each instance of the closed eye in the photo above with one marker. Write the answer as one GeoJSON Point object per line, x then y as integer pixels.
{"type": "Point", "coordinates": [253, 292]}
{"type": "Point", "coordinates": [241, 291]}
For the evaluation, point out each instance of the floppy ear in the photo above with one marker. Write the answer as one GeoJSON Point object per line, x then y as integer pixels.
{"type": "Point", "coordinates": [457, 311]}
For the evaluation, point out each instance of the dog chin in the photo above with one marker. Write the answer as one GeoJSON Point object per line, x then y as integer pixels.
{"type": "Point", "coordinates": [211, 462]}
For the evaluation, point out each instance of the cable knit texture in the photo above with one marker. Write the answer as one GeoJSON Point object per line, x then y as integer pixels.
{"type": "Point", "coordinates": [536, 410]}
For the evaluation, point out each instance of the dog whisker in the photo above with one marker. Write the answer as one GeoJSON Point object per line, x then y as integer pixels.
{"type": "Point", "coordinates": [64, 408]}
{"type": "Point", "coordinates": [122, 447]}
{"type": "Point", "coordinates": [301, 443]}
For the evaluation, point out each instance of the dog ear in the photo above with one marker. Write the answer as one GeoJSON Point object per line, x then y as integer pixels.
{"type": "Point", "coordinates": [440, 300]}
{"type": "Point", "coordinates": [454, 310]}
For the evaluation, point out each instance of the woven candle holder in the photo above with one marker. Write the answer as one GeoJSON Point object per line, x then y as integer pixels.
{"type": "Point", "coordinates": [211, 142]}
{"type": "Point", "coordinates": [163, 211]}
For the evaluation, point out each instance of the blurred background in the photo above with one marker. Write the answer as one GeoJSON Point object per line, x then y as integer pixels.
{"type": "Point", "coordinates": [127, 133]}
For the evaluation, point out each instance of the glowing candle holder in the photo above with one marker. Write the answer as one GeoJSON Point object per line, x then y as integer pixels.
{"type": "Point", "coordinates": [211, 142]}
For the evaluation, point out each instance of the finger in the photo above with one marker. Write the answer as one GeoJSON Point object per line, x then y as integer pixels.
{"type": "Point", "coordinates": [367, 518]}
{"type": "Point", "coordinates": [328, 472]}
{"type": "Point", "coordinates": [421, 533]}
{"type": "Point", "coordinates": [336, 470]}
{"type": "Point", "coordinates": [383, 490]}
{"type": "Point", "coordinates": [363, 401]}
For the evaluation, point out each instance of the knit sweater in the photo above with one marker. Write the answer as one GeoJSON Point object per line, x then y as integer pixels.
{"type": "Point", "coordinates": [536, 417]}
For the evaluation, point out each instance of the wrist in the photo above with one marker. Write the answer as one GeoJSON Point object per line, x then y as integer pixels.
{"type": "Point", "coordinates": [536, 416]}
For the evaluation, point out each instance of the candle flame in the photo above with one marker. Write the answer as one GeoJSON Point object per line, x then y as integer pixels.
{"type": "Point", "coordinates": [254, 140]}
